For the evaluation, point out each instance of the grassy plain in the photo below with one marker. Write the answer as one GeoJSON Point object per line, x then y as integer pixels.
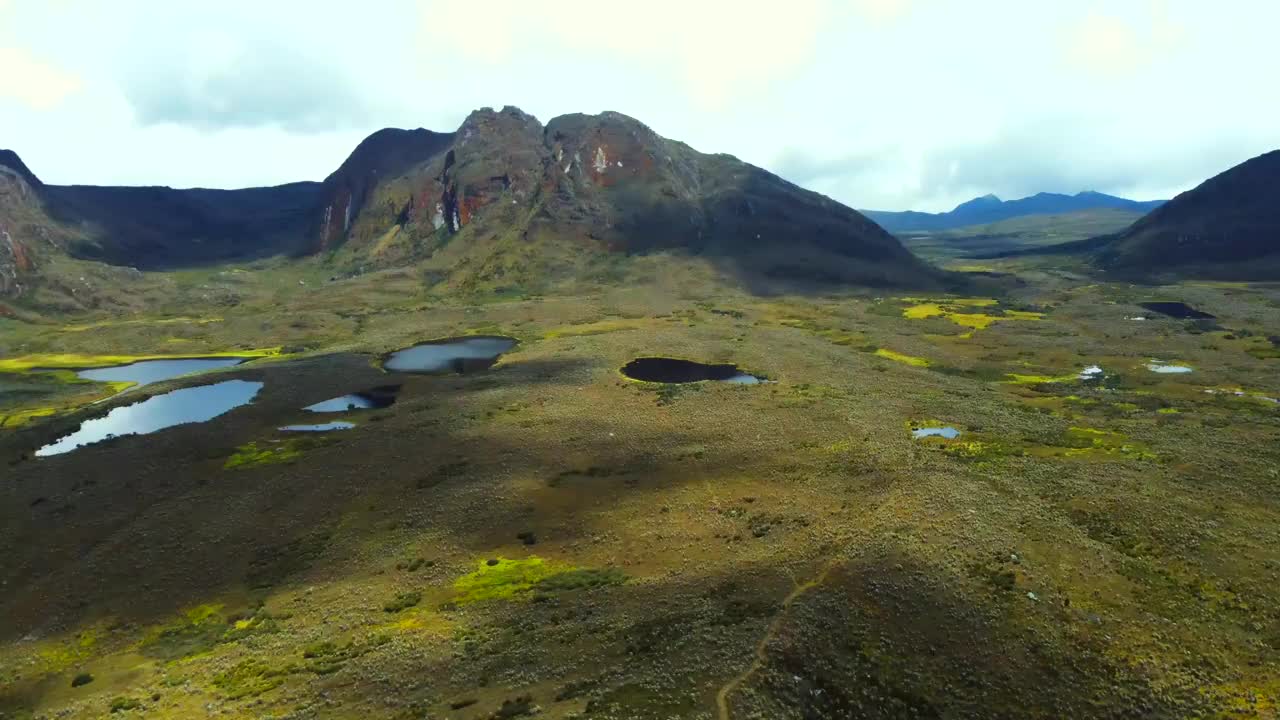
{"type": "Point", "coordinates": [550, 537]}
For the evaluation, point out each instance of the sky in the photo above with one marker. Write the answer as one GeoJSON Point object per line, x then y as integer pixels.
{"type": "Point", "coordinates": [880, 104]}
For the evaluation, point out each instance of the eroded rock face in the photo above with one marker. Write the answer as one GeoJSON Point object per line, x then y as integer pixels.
{"type": "Point", "coordinates": [384, 155]}
{"type": "Point", "coordinates": [18, 202]}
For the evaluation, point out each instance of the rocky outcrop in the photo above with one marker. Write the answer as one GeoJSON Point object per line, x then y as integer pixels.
{"type": "Point", "coordinates": [385, 155]}
{"type": "Point", "coordinates": [19, 206]}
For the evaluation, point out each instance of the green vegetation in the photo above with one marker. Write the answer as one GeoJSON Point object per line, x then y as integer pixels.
{"type": "Point", "coordinates": [277, 452]}
{"type": "Point", "coordinates": [403, 601]}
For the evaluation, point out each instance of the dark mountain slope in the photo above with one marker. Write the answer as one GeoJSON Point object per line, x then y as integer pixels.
{"type": "Point", "coordinates": [991, 209]}
{"type": "Point", "coordinates": [1228, 225]}
{"type": "Point", "coordinates": [160, 227]}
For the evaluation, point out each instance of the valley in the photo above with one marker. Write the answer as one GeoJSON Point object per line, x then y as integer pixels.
{"type": "Point", "coordinates": [545, 536]}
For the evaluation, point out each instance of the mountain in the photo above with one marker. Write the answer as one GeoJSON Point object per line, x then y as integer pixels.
{"type": "Point", "coordinates": [1229, 225]}
{"type": "Point", "coordinates": [990, 209]}
{"type": "Point", "coordinates": [503, 200]}
{"type": "Point", "coordinates": [522, 197]}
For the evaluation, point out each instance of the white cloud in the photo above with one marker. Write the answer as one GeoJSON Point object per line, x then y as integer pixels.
{"type": "Point", "coordinates": [716, 51]}
{"type": "Point", "coordinates": [33, 82]}
{"type": "Point", "coordinates": [889, 104]}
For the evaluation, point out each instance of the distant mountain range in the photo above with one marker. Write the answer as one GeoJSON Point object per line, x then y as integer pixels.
{"type": "Point", "coordinates": [512, 199]}
{"type": "Point", "coordinates": [990, 209]}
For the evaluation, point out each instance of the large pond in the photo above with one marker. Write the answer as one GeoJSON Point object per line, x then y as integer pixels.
{"type": "Point", "coordinates": [675, 370]}
{"type": "Point", "coordinates": [459, 355]}
{"type": "Point", "coordinates": [1179, 310]}
{"type": "Point", "coordinates": [176, 407]}
{"type": "Point", "coordinates": [145, 372]}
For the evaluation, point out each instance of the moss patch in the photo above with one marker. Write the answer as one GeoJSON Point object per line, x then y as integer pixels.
{"type": "Point", "coordinates": [899, 357]}
{"type": "Point", "coordinates": [503, 579]}
{"type": "Point", "coordinates": [277, 452]}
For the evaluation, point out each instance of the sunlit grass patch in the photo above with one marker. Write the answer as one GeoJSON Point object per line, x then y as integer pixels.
{"type": "Point", "coordinates": [959, 311]}
{"type": "Point", "coordinates": [504, 579]}
{"type": "Point", "coordinates": [594, 328]}
{"type": "Point", "coordinates": [284, 451]}
{"type": "Point", "coordinates": [76, 360]}
{"type": "Point", "coordinates": [141, 321]}
{"type": "Point", "coordinates": [899, 357]}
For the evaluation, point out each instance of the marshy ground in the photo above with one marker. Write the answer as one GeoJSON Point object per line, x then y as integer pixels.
{"type": "Point", "coordinates": [550, 537]}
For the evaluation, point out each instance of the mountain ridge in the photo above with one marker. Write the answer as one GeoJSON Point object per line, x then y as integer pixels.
{"type": "Point", "coordinates": [592, 185]}
{"type": "Point", "coordinates": [990, 208]}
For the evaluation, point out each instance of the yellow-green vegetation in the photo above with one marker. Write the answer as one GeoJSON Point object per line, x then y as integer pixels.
{"type": "Point", "coordinates": [78, 360]}
{"type": "Point", "coordinates": [505, 579]}
{"type": "Point", "coordinates": [956, 310]}
{"type": "Point", "coordinates": [1085, 442]}
{"type": "Point", "coordinates": [140, 321]}
{"type": "Point", "coordinates": [273, 452]}
{"type": "Point", "coordinates": [59, 656]}
{"type": "Point", "coordinates": [200, 629]}
{"type": "Point", "coordinates": [911, 360]}
{"type": "Point", "coordinates": [594, 328]}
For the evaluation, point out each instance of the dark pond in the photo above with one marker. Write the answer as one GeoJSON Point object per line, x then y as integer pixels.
{"type": "Point", "coordinates": [374, 399]}
{"type": "Point", "coordinates": [675, 370]}
{"type": "Point", "coordinates": [1182, 311]}
{"type": "Point", "coordinates": [459, 355]}
{"type": "Point", "coordinates": [322, 427]}
{"type": "Point", "coordinates": [150, 371]}
{"type": "Point", "coordinates": [186, 405]}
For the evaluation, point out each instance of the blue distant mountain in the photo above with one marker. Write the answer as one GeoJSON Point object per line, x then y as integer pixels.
{"type": "Point", "coordinates": [989, 209]}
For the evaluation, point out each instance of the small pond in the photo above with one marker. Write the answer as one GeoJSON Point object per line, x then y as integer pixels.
{"type": "Point", "coordinates": [146, 372]}
{"type": "Point", "coordinates": [176, 407]}
{"type": "Point", "coordinates": [459, 355]}
{"type": "Point", "coordinates": [1157, 366]}
{"type": "Point", "coordinates": [375, 399]}
{"type": "Point", "coordinates": [947, 432]}
{"type": "Point", "coordinates": [1179, 310]}
{"type": "Point", "coordinates": [675, 370]}
{"type": "Point", "coordinates": [322, 427]}
{"type": "Point", "coordinates": [1093, 372]}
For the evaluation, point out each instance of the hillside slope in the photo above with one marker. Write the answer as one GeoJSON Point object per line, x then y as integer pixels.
{"type": "Point", "coordinates": [1229, 225]}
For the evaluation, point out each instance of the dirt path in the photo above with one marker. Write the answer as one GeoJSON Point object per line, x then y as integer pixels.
{"type": "Point", "coordinates": [722, 697]}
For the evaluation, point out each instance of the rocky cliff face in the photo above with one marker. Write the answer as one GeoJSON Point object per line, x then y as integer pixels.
{"type": "Point", "coordinates": [21, 213]}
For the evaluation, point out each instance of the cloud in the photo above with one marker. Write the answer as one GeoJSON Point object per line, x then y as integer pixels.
{"type": "Point", "coordinates": [1111, 45]}
{"type": "Point", "coordinates": [1070, 153]}
{"type": "Point", "coordinates": [219, 81]}
{"type": "Point", "coordinates": [716, 52]}
{"type": "Point", "coordinates": [33, 82]}
{"type": "Point", "coordinates": [881, 11]}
